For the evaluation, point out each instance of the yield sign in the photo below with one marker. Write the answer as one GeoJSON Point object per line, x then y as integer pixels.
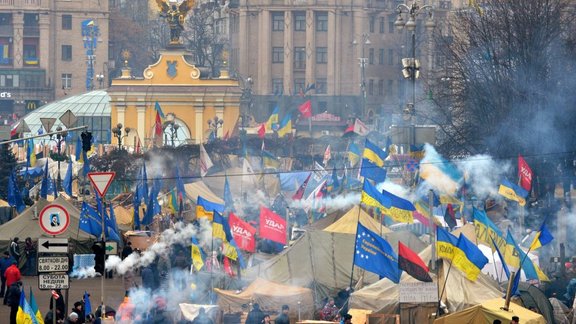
{"type": "Point", "coordinates": [101, 181]}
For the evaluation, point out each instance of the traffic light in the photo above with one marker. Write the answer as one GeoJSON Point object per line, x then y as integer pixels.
{"type": "Point", "coordinates": [86, 141]}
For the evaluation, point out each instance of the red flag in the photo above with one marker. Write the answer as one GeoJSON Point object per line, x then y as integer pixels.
{"type": "Point", "coordinates": [138, 145]}
{"type": "Point", "coordinates": [306, 109]}
{"type": "Point", "coordinates": [243, 233]}
{"type": "Point", "coordinates": [524, 174]}
{"type": "Point", "coordinates": [272, 226]}
{"type": "Point", "coordinates": [228, 267]}
{"type": "Point", "coordinates": [262, 130]}
{"type": "Point", "coordinates": [450, 216]}
{"type": "Point", "coordinates": [300, 192]}
{"type": "Point", "coordinates": [410, 262]}
{"type": "Point", "coordinates": [158, 125]}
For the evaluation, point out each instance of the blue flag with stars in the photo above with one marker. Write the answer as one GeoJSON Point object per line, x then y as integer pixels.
{"type": "Point", "coordinates": [373, 253]}
{"type": "Point", "coordinates": [90, 221]}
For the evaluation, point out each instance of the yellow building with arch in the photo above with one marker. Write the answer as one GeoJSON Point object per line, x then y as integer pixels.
{"type": "Point", "coordinates": [182, 93]}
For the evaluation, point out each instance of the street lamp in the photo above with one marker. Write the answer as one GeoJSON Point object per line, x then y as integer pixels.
{"type": "Point", "coordinates": [60, 138]}
{"type": "Point", "coordinates": [363, 61]}
{"type": "Point", "coordinates": [411, 66]}
{"type": "Point", "coordinates": [117, 132]}
{"type": "Point", "coordinates": [246, 98]}
{"type": "Point", "coordinates": [214, 125]}
{"type": "Point", "coordinates": [100, 79]}
{"type": "Point", "coordinates": [170, 128]}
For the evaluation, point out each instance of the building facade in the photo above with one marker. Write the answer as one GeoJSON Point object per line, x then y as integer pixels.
{"type": "Point", "coordinates": [50, 49]}
{"type": "Point", "coordinates": [345, 56]}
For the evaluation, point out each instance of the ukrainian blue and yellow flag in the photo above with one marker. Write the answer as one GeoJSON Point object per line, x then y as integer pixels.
{"type": "Point", "coordinates": [285, 127]}
{"type": "Point", "coordinates": [372, 171]}
{"type": "Point", "coordinates": [269, 161]}
{"type": "Point", "coordinates": [272, 122]}
{"type": "Point", "coordinates": [373, 198]}
{"type": "Point", "coordinates": [173, 201]}
{"type": "Point", "coordinates": [542, 238]}
{"type": "Point", "coordinates": [25, 313]}
{"type": "Point", "coordinates": [400, 210]}
{"type": "Point", "coordinates": [30, 153]}
{"type": "Point", "coordinates": [486, 230]}
{"type": "Point", "coordinates": [511, 254]}
{"type": "Point", "coordinates": [531, 270]}
{"type": "Point", "coordinates": [197, 255]}
{"type": "Point", "coordinates": [513, 192]}
{"type": "Point", "coordinates": [221, 230]}
{"type": "Point", "coordinates": [35, 309]}
{"type": "Point", "coordinates": [445, 243]}
{"type": "Point", "coordinates": [468, 258]}
{"type": "Point", "coordinates": [353, 154]}
{"type": "Point", "coordinates": [206, 208]}
{"type": "Point", "coordinates": [373, 153]}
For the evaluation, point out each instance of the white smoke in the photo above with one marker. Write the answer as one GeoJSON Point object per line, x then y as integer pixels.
{"type": "Point", "coordinates": [484, 174]}
{"type": "Point", "coordinates": [83, 273]}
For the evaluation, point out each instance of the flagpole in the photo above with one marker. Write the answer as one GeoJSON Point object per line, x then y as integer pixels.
{"type": "Point", "coordinates": [355, 242]}
{"type": "Point", "coordinates": [431, 207]}
{"type": "Point", "coordinates": [103, 308]}
{"type": "Point", "coordinates": [443, 287]}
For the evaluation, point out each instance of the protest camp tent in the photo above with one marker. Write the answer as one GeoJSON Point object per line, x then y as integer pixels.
{"type": "Point", "coordinates": [26, 225]}
{"type": "Point", "coordinates": [383, 296]}
{"type": "Point", "coordinates": [490, 310]}
{"type": "Point", "coordinates": [349, 222]}
{"type": "Point", "coordinates": [270, 296]}
{"type": "Point", "coordinates": [199, 188]}
{"type": "Point", "coordinates": [239, 183]}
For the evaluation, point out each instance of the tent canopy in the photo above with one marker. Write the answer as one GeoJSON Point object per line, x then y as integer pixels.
{"type": "Point", "coordinates": [349, 222]}
{"type": "Point", "coordinates": [199, 188]}
{"type": "Point", "coordinates": [270, 296]}
{"type": "Point", "coordinates": [489, 311]}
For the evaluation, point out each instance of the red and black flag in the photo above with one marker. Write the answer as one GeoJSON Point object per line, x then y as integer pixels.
{"type": "Point", "coordinates": [410, 262]}
{"type": "Point", "coordinates": [450, 216]}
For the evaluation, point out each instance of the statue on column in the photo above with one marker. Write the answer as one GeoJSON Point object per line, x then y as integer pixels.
{"type": "Point", "coordinates": [175, 15]}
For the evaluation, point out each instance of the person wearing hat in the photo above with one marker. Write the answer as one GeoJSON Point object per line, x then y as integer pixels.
{"type": "Point", "coordinates": [255, 316]}
{"type": "Point", "coordinates": [5, 262]}
{"type": "Point", "coordinates": [72, 318]}
{"type": "Point", "coordinates": [13, 299]}
{"type": "Point", "coordinates": [79, 309]}
{"type": "Point", "coordinates": [283, 318]}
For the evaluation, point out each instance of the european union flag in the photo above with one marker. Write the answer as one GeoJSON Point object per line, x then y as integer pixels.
{"type": "Point", "coordinates": [90, 220]}
{"type": "Point", "coordinates": [372, 171]}
{"type": "Point", "coordinates": [14, 197]}
{"type": "Point", "coordinates": [373, 253]}
{"type": "Point", "coordinates": [111, 226]}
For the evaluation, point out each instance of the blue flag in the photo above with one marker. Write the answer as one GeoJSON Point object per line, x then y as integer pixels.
{"type": "Point", "coordinates": [143, 186]}
{"type": "Point", "coordinates": [152, 206]}
{"type": "Point", "coordinates": [68, 179]}
{"type": "Point", "coordinates": [78, 148]}
{"type": "Point", "coordinates": [87, 303]}
{"type": "Point", "coordinates": [111, 226]}
{"type": "Point", "coordinates": [374, 254]}
{"type": "Point", "coordinates": [45, 182]}
{"type": "Point", "coordinates": [136, 204]}
{"type": "Point", "coordinates": [180, 185]}
{"type": "Point", "coordinates": [14, 197]}
{"type": "Point", "coordinates": [228, 200]}
{"type": "Point", "coordinates": [504, 266]}
{"type": "Point", "coordinates": [90, 220]}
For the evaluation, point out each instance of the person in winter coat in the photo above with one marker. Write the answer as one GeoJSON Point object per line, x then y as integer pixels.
{"type": "Point", "coordinates": [12, 275]}
{"type": "Point", "coordinates": [255, 316]}
{"type": "Point", "coordinates": [14, 300]}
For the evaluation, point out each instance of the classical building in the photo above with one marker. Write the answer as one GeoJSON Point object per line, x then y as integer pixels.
{"type": "Point", "coordinates": [50, 49]}
{"type": "Point", "coordinates": [343, 55]}
{"type": "Point", "coordinates": [190, 103]}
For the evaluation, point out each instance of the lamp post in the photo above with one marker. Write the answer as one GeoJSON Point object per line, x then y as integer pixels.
{"type": "Point", "coordinates": [100, 79]}
{"type": "Point", "coordinates": [214, 124]}
{"type": "Point", "coordinates": [170, 128]}
{"type": "Point", "coordinates": [60, 138]}
{"type": "Point", "coordinates": [117, 132]}
{"type": "Point", "coordinates": [411, 66]}
{"type": "Point", "coordinates": [246, 98]}
{"type": "Point", "coordinates": [362, 61]}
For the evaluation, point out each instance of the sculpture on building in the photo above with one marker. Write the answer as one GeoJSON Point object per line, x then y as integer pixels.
{"type": "Point", "coordinates": [175, 14]}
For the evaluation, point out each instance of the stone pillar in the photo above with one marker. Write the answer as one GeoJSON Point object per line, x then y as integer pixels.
{"type": "Point", "coordinates": [141, 123]}
{"type": "Point", "coordinates": [310, 47]}
{"type": "Point", "coordinates": [198, 122]}
{"type": "Point", "coordinates": [288, 53]}
{"type": "Point", "coordinates": [264, 53]}
{"type": "Point", "coordinates": [17, 41]}
{"type": "Point", "coordinates": [120, 114]}
{"type": "Point", "coordinates": [43, 48]}
{"type": "Point", "coordinates": [334, 55]}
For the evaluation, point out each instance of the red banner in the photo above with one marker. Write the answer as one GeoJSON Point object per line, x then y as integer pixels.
{"type": "Point", "coordinates": [272, 226]}
{"type": "Point", "coordinates": [243, 233]}
{"type": "Point", "coordinates": [524, 174]}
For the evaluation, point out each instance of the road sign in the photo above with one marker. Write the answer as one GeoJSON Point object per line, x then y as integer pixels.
{"type": "Point", "coordinates": [47, 123]}
{"type": "Point", "coordinates": [49, 281]}
{"type": "Point", "coordinates": [101, 181]}
{"type": "Point", "coordinates": [54, 219]}
{"type": "Point", "coordinates": [53, 245]}
{"type": "Point", "coordinates": [68, 119]}
{"type": "Point", "coordinates": [111, 248]}
{"type": "Point", "coordinates": [53, 264]}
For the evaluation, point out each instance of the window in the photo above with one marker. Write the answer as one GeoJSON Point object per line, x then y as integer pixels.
{"type": "Point", "coordinates": [371, 56]}
{"type": "Point", "coordinates": [66, 22]}
{"type": "Point", "coordinates": [30, 55]}
{"type": "Point", "coordinates": [277, 21]}
{"type": "Point", "coordinates": [381, 57]}
{"type": "Point", "coordinates": [9, 80]}
{"type": "Point", "coordinates": [299, 57]}
{"type": "Point", "coordinates": [299, 21]}
{"type": "Point", "coordinates": [380, 87]}
{"type": "Point", "coordinates": [277, 54]}
{"type": "Point", "coordinates": [66, 52]}
{"type": "Point", "coordinates": [321, 86]}
{"type": "Point", "coordinates": [299, 85]}
{"type": "Point", "coordinates": [372, 23]}
{"type": "Point", "coordinates": [322, 106]}
{"type": "Point", "coordinates": [321, 55]}
{"type": "Point", "coordinates": [66, 81]}
{"type": "Point", "coordinates": [382, 25]}
{"type": "Point", "coordinates": [389, 86]}
{"type": "Point", "coordinates": [321, 21]}
{"type": "Point", "coordinates": [390, 56]}
{"type": "Point", "coordinates": [278, 87]}
{"type": "Point", "coordinates": [370, 87]}
{"type": "Point", "coordinates": [391, 26]}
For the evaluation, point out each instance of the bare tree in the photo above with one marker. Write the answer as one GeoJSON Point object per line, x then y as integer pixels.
{"type": "Point", "coordinates": [207, 35]}
{"type": "Point", "coordinates": [504, 88]}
